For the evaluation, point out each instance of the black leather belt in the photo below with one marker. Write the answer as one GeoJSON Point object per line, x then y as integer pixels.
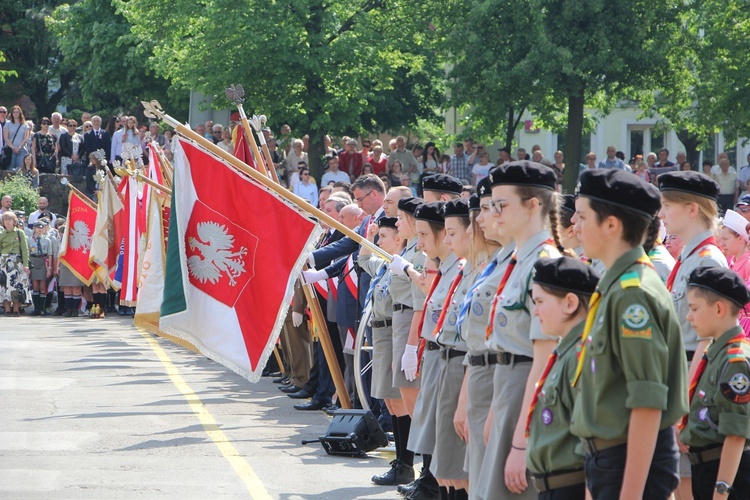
{"type": "Point", "coordinates": [432, 346]}
{"type": "Point", "coordinates": [381, 324]}
{"type": "Point", "coordinates": [401, 307]}
{"type": "Point", "coordinates": [483, 359]}
{"type": "Point", "coordinates": [506, 358]}
{"type": "Point", "coordinates": [449, 353]}
{"type": "Point", "coordinates": [553, 481]}
{"type": "Point", "coordinates": [708, 455]}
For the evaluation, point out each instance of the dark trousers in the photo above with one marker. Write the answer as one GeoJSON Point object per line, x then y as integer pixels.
{"type": "Point", "coordinates": [575, 492]}
{"type": "Point", "coordinates": [326, 388]}
{"type": "Point", "coordinates": [704, 479]}
{"type": "Point", "coordinates": [605, 469]}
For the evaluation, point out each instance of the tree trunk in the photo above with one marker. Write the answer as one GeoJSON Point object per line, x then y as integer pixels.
{"type": "Point", "coordinates": [573, 139]}
{"type": "Point", "coordinates": [512, 126]}
{"type": "Point", "coordinates": [691, 141]}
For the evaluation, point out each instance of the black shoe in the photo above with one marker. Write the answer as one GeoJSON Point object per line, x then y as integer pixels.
{"type": "Point", "coordinates": [405, 489]}
{"type": "Point", "coordinates": [427, 488]}
{"type": "Point", "coordinates": [289, 389]}
{"type": "Point", "coordinates": [59, 312]}
{"type": "Point", "coordinates": [331, 409]}
{"type": "Point", "coordinates": [121, 311]}
{"type": "Point", "coordinates": [279, 380]}
{"type": "Point", "coordinates": [301, 394]}
{"type": "Point", "coordinates": [311, 406]}
{"type": "Point", "coordinates": [398, 474]}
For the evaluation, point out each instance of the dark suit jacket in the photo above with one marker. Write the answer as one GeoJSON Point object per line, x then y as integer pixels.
{"type": "Point", "coordinates": [91, 143]}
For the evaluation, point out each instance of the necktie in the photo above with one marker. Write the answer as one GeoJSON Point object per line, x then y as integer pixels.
{"type": "Point", "coordinates": [422, 342]}
{"type": "Point", "coordinates": [448, 300]}
{"type": "Point", "coordinates": [593, 307]}
{"type": "Point", "coordinates": [670, 281]}
{"type": "Point", "coordinates": [496, 298]}
{"type": "Point", "coordinates": [538, 389]}
{"type": "Point", "coordinates": [466, 304]}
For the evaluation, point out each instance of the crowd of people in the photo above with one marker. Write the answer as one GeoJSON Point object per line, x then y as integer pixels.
{"type": "Point", "coordinates": [524, 342]}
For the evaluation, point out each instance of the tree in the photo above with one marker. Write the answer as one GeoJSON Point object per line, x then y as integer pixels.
{"type": "Point", "coordinates": [33, 55]}
{"type": "Point", "coordinates": [322, 66]}
{"type": "Point", "coordinates": [112, 67]}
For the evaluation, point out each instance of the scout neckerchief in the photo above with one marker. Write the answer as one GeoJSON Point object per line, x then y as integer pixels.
{"type": "Point", "coordinates": [374, 283]}
{"type": "Point", "coordinates": [670, 281]}
{"type": "Point", "coordinates": [702, 368]}
{"type": "Point", "coordinates": [538, 389]}
{"type": "Point", "coordinates": [466, 304]}
{"type": "Point", "coordinates": [449, 298]}
{"type": "Point", "coordinates": [422, 341]}
{"type": "Point", "coordinates": [593, 307]}
{"type": "Point", "coordinates": [496, 298]}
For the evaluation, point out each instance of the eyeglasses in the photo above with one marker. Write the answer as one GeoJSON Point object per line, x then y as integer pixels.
{"type": "Point", "coordinates": [46, 122]}
{"type": "Point", "coordinates": [88, 126]}
{"type": "Point", "coordinates": [498, 206]}
{"type": "Point", "coordinates": [359, 200]}
{"type": "Point", "coordinates": [3, 112]}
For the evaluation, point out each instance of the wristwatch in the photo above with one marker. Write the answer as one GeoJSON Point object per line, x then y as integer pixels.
{"type": "Point", "coordinates": [723, 488]}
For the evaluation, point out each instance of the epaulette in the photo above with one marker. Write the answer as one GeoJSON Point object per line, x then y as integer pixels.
{"type": "Point", "coordinates": [736, 354]}
{"type": "Point", "coordinates": [705, 252]}
{"type": "Point", "coordinates": [630, 279]}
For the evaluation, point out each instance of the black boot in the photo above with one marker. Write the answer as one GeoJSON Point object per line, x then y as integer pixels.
{"type": "Point", "coordinates": [461, 494]}
{"type": "Point", "coordinates": [38, 304]}
{"type": "Point", "coordinates": [76, 306]}
{"type": "Point", "coordinates": [68, 306]}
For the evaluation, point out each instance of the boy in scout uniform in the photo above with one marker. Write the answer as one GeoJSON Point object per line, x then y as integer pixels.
{"type": "Point", "coordinates": [718, 426]}
{"type": "Point", "coordinates": [631, 374]}
{"type": "Point", "coordinates": [561, 292]}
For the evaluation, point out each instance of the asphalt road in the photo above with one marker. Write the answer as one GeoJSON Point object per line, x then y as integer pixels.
{"type": "Point", "coordinates": [99, 409]}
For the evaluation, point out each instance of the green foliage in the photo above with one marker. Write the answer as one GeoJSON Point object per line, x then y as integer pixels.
{"type": "Point", "coordinates": [338, 67]}
{"type": "Point", "coordinates": [24, 196]}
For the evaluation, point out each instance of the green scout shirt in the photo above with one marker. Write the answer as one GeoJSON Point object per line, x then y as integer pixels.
{"type": "Point", "coordinates": [720, 405]}
{"type": "Point", "coordinates": [692, 257]}
{"type": "Point", "coordinates": [551, 446]}
{"type": "Point", "coordinates": [449, 336]}
{"type": "Point", "coordinates": [14, 242]}
{"type": "Point", "coordinates": [634, 354]}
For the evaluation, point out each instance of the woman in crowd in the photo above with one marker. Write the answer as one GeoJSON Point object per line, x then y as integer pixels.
{"type": "Point", "coordinates": [686, 166]}
{"type": "Point", "coordinates": [394, 177]}
{"type": "Point", "coordinates": [296, 155]}
{"type": "Point", "coordinates": [366, 169]}
{"type": "Point", "coordinates": [524, 204]}
{"type": "Point", "coordinates": [689, 210]}
{"type": "Point", "coordinates": [430, 160]}
{"type": "Point", "coordinates": [225, 143]}
{"type": "Point", "coordinates": [559, 166]}
{"type": "Point", "coordinates": [481, 169]}
{"type": "Point", "coordinates": [14, 266]}
{"type": "Point", "coordinates": [40, 260]}
{"type": "Point", "coordinates": [378, 160]}
{"type": "Point", "coordinates": [29, 171]}
{"type": "Point", "coordinates": [733, 240]}
{"type": "Point", "coordinates": [306, 188]}
{"type": "Point", "coordinates": [44, 148]}
{"type": "Point", "coordinates": [16, 135]}
{"type": "Point", "coordinates": [70, 149]}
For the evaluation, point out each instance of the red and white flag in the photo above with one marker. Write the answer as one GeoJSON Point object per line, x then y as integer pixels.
{"type": "Point", "coordinates": [105, 244]}
{"type": "Point", "coordinates": [242, 149]}
{"type": "Point", "coordinates": [131, 230]}
{"type": "Point", "coordinates": [234, 253]}
{"type": "Point", "coordinates": [76, 243]}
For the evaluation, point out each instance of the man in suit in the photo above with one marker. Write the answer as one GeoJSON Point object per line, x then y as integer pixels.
{"type": "Point", "coordinates": [97, 139]}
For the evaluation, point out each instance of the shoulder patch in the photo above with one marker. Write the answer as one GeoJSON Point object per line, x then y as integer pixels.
{"type": "Point", "coordinates": [737, 389]}
{"type": "Point", "coordinates": [630, 279]}
{"type": "Point", "coordinates": [543, 254]}
{"type": "Point", "coordinates": [735, 355]}
{"type": "Point", "coordinates": [636, 322]}
{"type": "Point", "coordinates": [705, 252]}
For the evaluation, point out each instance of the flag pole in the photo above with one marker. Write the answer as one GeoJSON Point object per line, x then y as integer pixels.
{"type": "Point", "coordinates": [154, 110]}
{"type": "Point", "coordinates": [258, 123]}
{"type": "Point", "coordinates": [236, 95]}
{"type": "Point", "coordinates": [65, 182]}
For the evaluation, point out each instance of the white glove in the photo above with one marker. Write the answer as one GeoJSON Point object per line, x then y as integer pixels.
{"type": "Point", "coordinates": [409, 362]}
{"type": "Point", "coordinates": [397, 265]}
{"type": "Point", "coordinates": [313, 276]}
{"type": "Point", "coordinates": [297, 319]}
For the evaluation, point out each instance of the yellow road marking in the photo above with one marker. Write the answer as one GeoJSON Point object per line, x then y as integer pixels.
{"type": "Point", "coordinates": [239, 464]}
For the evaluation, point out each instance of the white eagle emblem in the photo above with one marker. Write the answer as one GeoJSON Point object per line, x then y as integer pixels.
{"type": "Point", "coordinates": [215, 244]}
{"type": "Point", "coordinates": [80, 236]}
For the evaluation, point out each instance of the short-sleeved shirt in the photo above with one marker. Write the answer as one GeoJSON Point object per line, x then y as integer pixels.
{"type": "Point", "coordinates": [634, 353]}
{"type": "Point", "coordinates": [381, 300]}
{"type": "Point", "coordinates": [400, 288]}
{"type": "Point", "coordinates": [727, 182]}
{"type": "Point", "coordinates": [449, 335]}
{"type": "Point", "coordinates": [551, 446]}
{"type": "Point", "coordinates": [721, 403]}
{"type": "Point", "coordinates": [693, 255]}
{"type": "Point", "coordinates": [334, 177]}
{"type": "Point", "coordinates": [434, 305]}
{"type": "Point", "coordinates": [514, 328]}
{"type": "Point", "coordinates": [474, 327]}
{"type": "Point", "coordinates": [40, 245]}
{"type": "Point", "coordinates": [418, 296]}
{"type": "Point", "coordinates": [662, 260]}
{"type": "Point", "coordinates": [743, 176]}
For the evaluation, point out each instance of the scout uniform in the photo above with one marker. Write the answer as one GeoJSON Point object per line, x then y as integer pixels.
{"type": "Point", "coordinates": [720, 394]}
{"type": "Point", "coordinates": [381, 305]}
{"type": "Point", "coordinates": [422, 435]}
{"type": "Point", "coordinates": [551, 457]}
{"type": "Point", "coordinates": [442, 183]}
{"type": "Point", "coordinates": [473, 319]}
{"type": "Point", "coordinates": [629, 354]}
{"type": "Point", "coordinates": [450, 449]}
{"type": "Point", "coordinates": [405, 294]}
{"type": "Point", "coordinates": [512, 332]}
{"type": "Point", "coordinates": [662, 260]}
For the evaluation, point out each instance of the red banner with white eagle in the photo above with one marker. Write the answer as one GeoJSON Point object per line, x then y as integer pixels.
{"type": "Point", "coordinates": [76, 242]}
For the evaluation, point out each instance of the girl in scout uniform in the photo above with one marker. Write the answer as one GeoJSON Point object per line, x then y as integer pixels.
{"type": "Point", "coordinates": [40, 257]}
{"type": "Point", "coordinates": [689, 210]}
{"type": "Point", "coordinates": [14, 265]}
{"type": "Point", "coordinates": [381, 302]}
{"type": "Point", "coordinates": [561, 292]}
{"type": "Point", "coordinates": [524, 204]}
{"type": "Point", "coordinates": [450, 445]}
{"type": "Point", "coordinates": [631, 375]}
{"type": "Point", "coordinates": [718, 426]}
{"type": "Point", "coordinates": [430, 226]}
{"type": "Point", "coordinates": [474, 400]}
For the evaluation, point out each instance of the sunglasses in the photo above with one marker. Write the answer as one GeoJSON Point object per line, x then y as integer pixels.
{"type": "Point", "coordinates": [88, 126]}
{"type": "Point", "coordinates": [46, 123]}
{"type": "Point", "coordinates": [3, 112]}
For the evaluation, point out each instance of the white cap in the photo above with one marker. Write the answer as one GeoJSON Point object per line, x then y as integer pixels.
{"type": "Point", "coordinates": [736, 223]}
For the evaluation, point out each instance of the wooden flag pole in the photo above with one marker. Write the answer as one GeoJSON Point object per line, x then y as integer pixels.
{"type": "Point", "coordinates": [154, 110]}
{"type": "Point", "coordinates": [65, 182]}
{"type": "Point", "coordinates": [236, 94]}
{"type": "Point", "coordinates": [258, 123]}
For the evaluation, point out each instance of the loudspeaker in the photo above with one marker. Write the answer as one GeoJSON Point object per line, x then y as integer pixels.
{"type": "Point", "coordinates": [353, 433]}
